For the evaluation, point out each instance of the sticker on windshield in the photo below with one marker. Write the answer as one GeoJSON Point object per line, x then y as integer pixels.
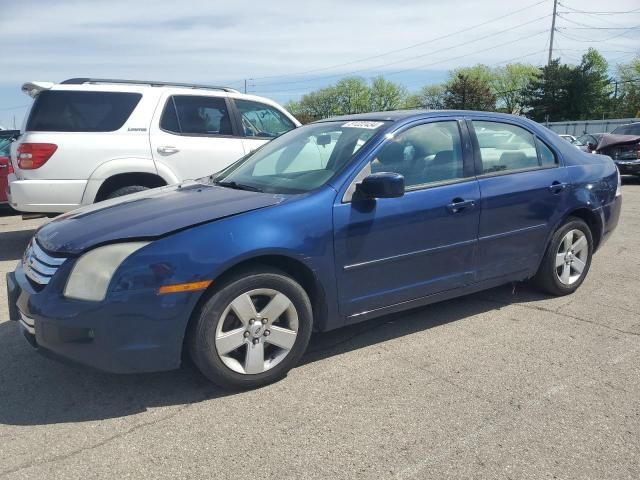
{"type": "Point", "coordinates": [361, 124]}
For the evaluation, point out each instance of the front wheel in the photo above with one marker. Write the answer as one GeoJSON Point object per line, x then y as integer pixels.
{"type": "Point", "coordinates": [252, 330]}
{"type": "Point", "coordinates": [567, 260]}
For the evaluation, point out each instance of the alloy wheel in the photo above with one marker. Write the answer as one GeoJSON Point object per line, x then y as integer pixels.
{"type": "Point", "coordinates": [256, 331]}
{"type": "Point", "coordinates": [571, 257]}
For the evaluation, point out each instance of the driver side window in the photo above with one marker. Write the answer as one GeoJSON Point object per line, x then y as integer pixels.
{"type": "Point", "coordinates": [428, 153]}
{"type": "Point", "coordinates": [260, 120]}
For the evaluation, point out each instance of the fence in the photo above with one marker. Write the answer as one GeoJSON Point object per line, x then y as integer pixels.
{"type": "Point", "coordinates": [588, 126]}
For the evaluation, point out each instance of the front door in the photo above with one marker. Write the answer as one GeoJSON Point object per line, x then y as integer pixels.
{"type": "Point", "coordinates": [523, 190]}
{"type": "Point", "coordinates": [195, 136]}
{"type": "Point", "coordinates": [393, 250]}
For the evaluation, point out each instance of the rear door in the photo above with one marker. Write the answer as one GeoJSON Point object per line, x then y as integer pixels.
{"type": "Point", "coordinates": [524, 190]}
{"type": "Point", "coordinates": [258, 122]}
{"type": "Point", "coordinates": [195, 135]}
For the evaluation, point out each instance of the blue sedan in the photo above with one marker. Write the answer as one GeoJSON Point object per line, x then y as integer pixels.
{"type": "Point", "coordinates": [330, 224]}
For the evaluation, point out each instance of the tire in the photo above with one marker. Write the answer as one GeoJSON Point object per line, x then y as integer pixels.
{"type": "Point", "coordinates": [126, 191]}
{"type": "Point", "coordinates": [265, 348]}
{"type": "Point", "coordinates": [564, 268]}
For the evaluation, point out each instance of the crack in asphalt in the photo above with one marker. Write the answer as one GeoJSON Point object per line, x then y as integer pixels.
{"type": "Point", "coordinates": [558, 312]}
{"type": "Point", "coordinates": [64, 456]}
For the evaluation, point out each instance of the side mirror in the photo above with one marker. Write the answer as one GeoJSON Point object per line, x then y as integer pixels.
{"type": "Point", "coordinates": [381, 185]}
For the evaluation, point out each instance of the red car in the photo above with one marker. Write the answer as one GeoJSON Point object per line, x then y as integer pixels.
{"type": "Point", "coordinates": [6, 137]}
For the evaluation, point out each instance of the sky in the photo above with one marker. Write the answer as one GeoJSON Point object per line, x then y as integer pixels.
{"type": "Point", "coordinates": [285, 48]}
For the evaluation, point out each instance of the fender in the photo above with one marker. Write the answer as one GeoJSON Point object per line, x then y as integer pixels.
{"type": "Point", "coordinates": [124, 165]}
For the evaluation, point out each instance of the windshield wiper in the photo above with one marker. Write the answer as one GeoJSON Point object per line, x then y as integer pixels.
{"type": "Point", "coordinates": [238, 186]}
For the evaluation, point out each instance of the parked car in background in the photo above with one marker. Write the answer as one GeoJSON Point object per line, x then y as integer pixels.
{"type": "Point", "coordinates": [588, 142]}
{"type": "Point", "coordinates": [628, 129]}
{"type": "Point", "coordinates": [6, 137]}
{"type": "Point", "coordinates": [569, 138]}
{"type": "Point", "coordinates": [330, 224]}
{"type": "Point", "coordinates": [87, 140]}
{"type": "Point", "coordinates": [623, 149]}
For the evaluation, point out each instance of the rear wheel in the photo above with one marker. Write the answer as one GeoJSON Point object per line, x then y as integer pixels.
{"type": "Point", "coordinates": [252, 330]}
{"type": "Point", "coordinates": [567, 259]}
{"type": "Point", "coordinates": [126, 191]}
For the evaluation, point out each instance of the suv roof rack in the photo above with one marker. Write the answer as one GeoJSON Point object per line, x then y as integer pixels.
{"type": "Point", "coordinates": [80, 81]}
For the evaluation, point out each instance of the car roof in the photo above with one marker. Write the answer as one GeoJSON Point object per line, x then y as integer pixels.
{"type": "Point", "coordinates": [400, 115]}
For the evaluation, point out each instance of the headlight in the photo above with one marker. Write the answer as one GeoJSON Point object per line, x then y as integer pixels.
{"type": "Point", "coordinates": [92, 273]}
{"type": "Point", "coordinates": [619, 186]}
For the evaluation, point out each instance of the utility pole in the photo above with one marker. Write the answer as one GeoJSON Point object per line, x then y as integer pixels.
{"type": "Point", "coordinates": [245, 85]}
{"type": "Point", "coordinates": [553, 29]}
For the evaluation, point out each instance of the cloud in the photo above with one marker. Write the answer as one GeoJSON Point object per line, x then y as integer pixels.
{"type": "Point", "coordinates": [227, 42]}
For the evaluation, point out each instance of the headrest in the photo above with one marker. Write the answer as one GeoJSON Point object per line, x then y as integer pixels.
{"type": "Point", "coordinates": [392, 152]}
{"type": "Point", "coordinates": [445, 156]}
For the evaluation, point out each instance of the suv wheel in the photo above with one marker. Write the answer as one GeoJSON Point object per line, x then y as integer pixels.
{"type": "Point", "coordinates": [252, 330]}
{"type": "Point", "coordinates": [567, 260]}
{"type": "Point", "coordinates": [126, 191]}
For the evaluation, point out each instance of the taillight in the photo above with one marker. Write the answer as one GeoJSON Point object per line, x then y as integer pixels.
{"type": "Point", "coordinates": [34, 155]}
{"type": "Point", "coordinates": [5, 163]}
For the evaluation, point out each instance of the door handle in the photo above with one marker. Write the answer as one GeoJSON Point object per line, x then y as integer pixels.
{"type": "Point", "coordinates": [168, 150]}
{"type": "Point", "coordinates": [457, 205]}
{"type": "Point", "coordinates": [557, 187]}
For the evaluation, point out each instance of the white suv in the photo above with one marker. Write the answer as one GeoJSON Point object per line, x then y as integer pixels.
{"type": "Point", "coordinates": [86, 140]}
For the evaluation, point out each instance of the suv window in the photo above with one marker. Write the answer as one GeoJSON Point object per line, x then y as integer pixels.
{"type": "Point", "coordinates": [196, 115]}
{"type": "Point", "coordinates": [424, 154]}
{"type": "Point", "coordinates": [74, 111]}
{"type": "Point", "coordinates": [505, 147]}
{"type": "Point", "coordinates": [260, 120]}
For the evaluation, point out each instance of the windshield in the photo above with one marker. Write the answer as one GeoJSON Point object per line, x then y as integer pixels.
{"type": "Point", "coordinates": [301, 160]}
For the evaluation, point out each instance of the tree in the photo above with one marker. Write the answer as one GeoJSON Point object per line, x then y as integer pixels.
{"type": "Point", "coordinates": [547, 94]}
{"type": "Point", "coordinates": [466, 92]}
{"type": "Point", "coordinates": [385, 95]}
{"type": "Point", "coordinates": [510, 83]}
{"type": "Point", "coordinates": [431, 97]}
{"type": "Point", "coordinates": [351, 95]}
{"type": "Point", "coordinates": [589, 90]}
{"type": "Point", "coordinates": [627, 89]}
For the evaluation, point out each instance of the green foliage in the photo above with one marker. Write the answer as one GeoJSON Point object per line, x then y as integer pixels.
{"type": "Point", "coordinates": [469, 92]}
{"type": "Point", "coordinates": [627, 94]}
{"type": "Point", "coordinates": [554, 92]}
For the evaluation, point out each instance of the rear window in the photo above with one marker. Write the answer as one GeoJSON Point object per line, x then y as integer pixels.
{"type": "Point", "coordinates": [70, 111]}
{"type": "Point", "coordinates": [633, 129]}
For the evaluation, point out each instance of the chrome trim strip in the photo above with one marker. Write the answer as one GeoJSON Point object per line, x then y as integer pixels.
{"type": "Point", "coordinates": [403, 256]}
{"type": "Point", "coordinates": [28, 323]}
{"type": "Point", "coordinates": [45, 257]}
{"type": "Point", "coordinates": [513, 232]}
{"type": "Point", "coordinates": [35, 276]}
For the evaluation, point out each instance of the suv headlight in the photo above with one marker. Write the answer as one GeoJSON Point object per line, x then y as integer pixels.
{"type": "Point", "coordinates": [92, 273]}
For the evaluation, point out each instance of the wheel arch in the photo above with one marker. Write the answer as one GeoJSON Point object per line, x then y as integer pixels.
{"type": "Point", "coordinates": [124, 166]}
{"type": "Point", "coordinates": [593, 221]}
{"type": "Point", "coordinates": [120, 180]}
{"type": "Point", "coordinates": [293, 267]}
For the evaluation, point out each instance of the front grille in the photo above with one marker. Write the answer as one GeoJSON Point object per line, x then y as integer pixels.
{"type": "Point", "coordinates": [38, 265]}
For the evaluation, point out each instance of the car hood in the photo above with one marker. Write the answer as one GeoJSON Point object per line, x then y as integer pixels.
{"type": "Point", "coordinates": [146, 215]}
{"type": "Point", "coordinates": [613, 139]}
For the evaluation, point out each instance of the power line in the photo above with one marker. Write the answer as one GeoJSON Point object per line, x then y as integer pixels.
{"type": "Point", "coordinates": [377, 67]}
{"type": "Point", "coordinates": [13, 108]}
{"type": "Point", "coordinates": [587, 12]}
{"type": "Point", "coordinates": [390, 52]}
{"type": "Point", "coordinates": [418, 67]}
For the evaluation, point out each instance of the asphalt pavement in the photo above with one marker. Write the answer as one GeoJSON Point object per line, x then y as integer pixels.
{"type": "Point", "coordinates": [507, 383]}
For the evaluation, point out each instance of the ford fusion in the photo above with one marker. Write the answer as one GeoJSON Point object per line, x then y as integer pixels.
{"type": "Point", "coordinates": [328, 225]}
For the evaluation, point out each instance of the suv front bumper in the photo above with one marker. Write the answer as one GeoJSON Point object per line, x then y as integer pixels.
{"type": "Point", "coordinates": [45, 196]}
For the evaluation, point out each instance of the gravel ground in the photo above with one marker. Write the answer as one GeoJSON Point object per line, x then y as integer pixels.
{"type": "Point", "coordinates": [507, 383]}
